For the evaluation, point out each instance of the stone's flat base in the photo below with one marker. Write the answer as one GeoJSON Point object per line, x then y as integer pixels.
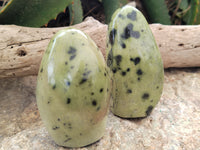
{"type": "Point", "coordinates": [173, 124]}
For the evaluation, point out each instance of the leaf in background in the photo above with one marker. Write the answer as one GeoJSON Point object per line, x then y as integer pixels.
{"type": "Point", "coordinates": [111, 5]}
{"type": "Point", "coordinates": [157, 11]}
{"type": "Point", "coordinates": [76, 12]}
{"type": "Point", "coordinates": [184, 4]}
{"type": "Point", "coordinates": [32, 13]}
{"type": "Point", "coordinates": [193, 15]}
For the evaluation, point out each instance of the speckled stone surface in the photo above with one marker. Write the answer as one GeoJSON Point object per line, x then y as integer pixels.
{"type": "Point", "coordinates": [174, 124]}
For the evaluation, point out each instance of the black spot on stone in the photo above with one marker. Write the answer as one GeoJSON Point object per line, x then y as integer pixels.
{"type": "Point", "coordinates": [68, 101]}
{"type": "Point", "coordinates": [67, 140]}
{"type": "Point", "coordinates": [142, 30]}
{"type": "Point", "coordinates": [145, 96]}
{"type": "Point", "coordinates": [138, 78]}
{"type": "Point", "coordinates": [92, 93]}
{"type": "Point", "coordinates": [68, 83]}
{"type": "Point", "coordinates": [83, 81]}
{"type": "Point", "coordinates": [118, 59]}
{"type": "Point", "coordinates": [94, 102]}
{"type": "Point", "coordinates": [113, 32]}
{"type": "Point", "coordinates": [72, 57]}
{"type": "Point", "coordinates": [132, 15]}
{"type": "Point", "coordinates": [101, 90]}
{"type": "Point", "coordinates": [41, 70]}
{"type": "Point", "coordinates": [48, 102]}
{"type": "Point", "coordinates": [72, 50]}
{"type": "Point", "coordinates": [54, 87]}
{"type": "Point", "coordinates": [149, 110]}
{"type": "Point", "coordinates": [128, 32]}
{"type": "Point", "coordinates": [139, 72]}
{"type": "Point", "coordinates": [69, 125]}
{"type": "Point", "coordinates": [86, 74]}
{"type": "Point", "coordinates": [157, 87]}
{"type": "Point", "coordinates": [129, 91]}
{"type": "Point", "coordinates": [121, 16]}
{"type": "Point", "coordinates": [123, 45]}
{"type": "Point", "coordinates": [55, 128]}
{"type": "Point", "coordinates": [137, 60]}
{"type": "Point", "coordinates": [72, 67]}
{"type": "Point", "coordinates": [128, 69]}
{"type": "Point", "coordinates": [66, 63]}
{"type": "Point", "coordinates": [80, 134]}
{"type": "Point", "coordinates": [114, 70]}
{"type": "Point", "coordinates": [64, 124]}
{"type": "Point", "coordinates": [58, 119]}
{"type": "Point", "coordinates": [151, 101]}
{"type": "Point", "coordinates": [123, 73]}
{"type": "Point", "coordinates": [110, 58]}
{"type": "Point", "coordinates": [105, 74]}
{"type": "Point", "coordinates": [135, 34]}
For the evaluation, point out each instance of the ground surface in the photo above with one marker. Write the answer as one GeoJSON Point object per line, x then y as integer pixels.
{"type": "Point", "coordinates": [174, 124]}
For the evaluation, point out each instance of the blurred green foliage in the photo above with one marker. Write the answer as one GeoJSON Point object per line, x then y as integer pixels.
{"type": "Point", "coordinates": [178, 12]}
{"type": "Point", "coordinates": [110, 6]}
{"type": "Point", "coordinates": [37, 13]}
{"type": "Point", "coordinates": [32, 13]}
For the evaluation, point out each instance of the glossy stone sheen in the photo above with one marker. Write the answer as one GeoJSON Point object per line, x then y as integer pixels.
{"type": "Point", "coordinates": [73, 89]}
{"type": "Point", "coordinates": [134, 59]}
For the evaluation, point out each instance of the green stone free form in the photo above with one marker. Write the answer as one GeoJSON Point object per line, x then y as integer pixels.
{"type": "Point", "coordinates": [73, 89]}
{"type": "Point", "coordinates": [134, 59]}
